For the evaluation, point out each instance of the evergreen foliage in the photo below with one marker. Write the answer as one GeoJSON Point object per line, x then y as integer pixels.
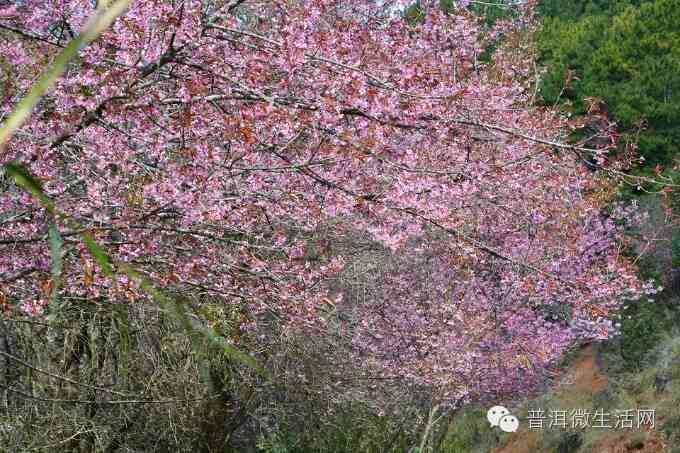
{"type": "Point", "coordinates": [627, 54]}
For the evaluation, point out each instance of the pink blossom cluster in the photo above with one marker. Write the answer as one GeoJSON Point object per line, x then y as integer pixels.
{"type": "Point", "coordinates": [211, 143]}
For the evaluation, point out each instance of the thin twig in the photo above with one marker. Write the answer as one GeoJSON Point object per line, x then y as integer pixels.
{"type": "Point", "coordinates": [61, 378]}
{"type": "Point", "coordinates": [103, 402]}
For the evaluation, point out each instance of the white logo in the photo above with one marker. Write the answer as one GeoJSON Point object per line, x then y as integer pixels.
{"type": "Point", "coordinates": [495, 414]}
{"type": "Point", "coordinates": [509, 423]}
{"type": "Point", "coordinates": [501, 417]}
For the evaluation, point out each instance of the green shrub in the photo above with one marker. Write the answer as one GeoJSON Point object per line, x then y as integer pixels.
{"type": "Point", "coordinates": [642, 324]}
{"type": "Point", "coordinates": [569, 442]}
{"type": "Point", "coordinates": [468, 432]}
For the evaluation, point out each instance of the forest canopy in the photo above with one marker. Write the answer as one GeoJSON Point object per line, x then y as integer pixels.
{"type": "Point", "coordinates": [623, 53]}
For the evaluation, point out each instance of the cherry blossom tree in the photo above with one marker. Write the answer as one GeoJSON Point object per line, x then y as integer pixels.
{"type": "Point", "coordinates": [213, 145]}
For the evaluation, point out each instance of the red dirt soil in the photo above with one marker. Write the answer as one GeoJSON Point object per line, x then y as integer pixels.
{"type": "Point", "coordinates": [585, 377]}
